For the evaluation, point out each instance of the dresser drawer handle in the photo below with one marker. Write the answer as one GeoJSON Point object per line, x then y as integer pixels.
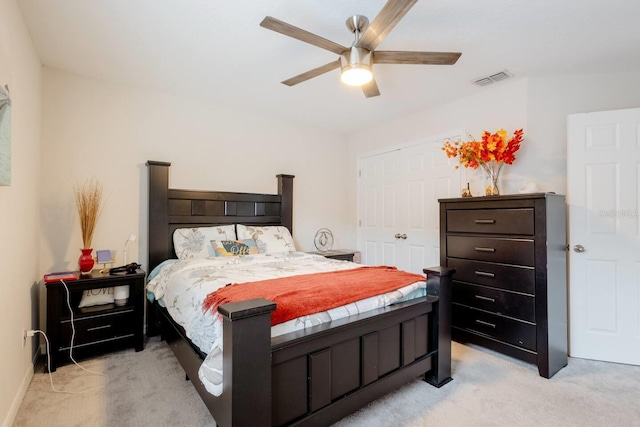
{"type": "Point", "coordinates": [479, 249]}
{"type": "Point", "coordinates": [484, 274]}
{"type": "Point", "coordinates": [485, 298]}
{"type": "Point", "coordinates": [484, 221]}
{"type": "Point", "coordinates": [482, 322]}
{"type": "Point", "coordinates": [98, 328]}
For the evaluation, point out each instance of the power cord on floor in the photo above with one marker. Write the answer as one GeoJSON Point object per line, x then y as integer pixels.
{"type": "Point", "coordinates": [73, 335]}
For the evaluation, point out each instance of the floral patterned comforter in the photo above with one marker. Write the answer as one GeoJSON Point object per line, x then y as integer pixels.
{"type": "Point", "coordinates": [182, 286]}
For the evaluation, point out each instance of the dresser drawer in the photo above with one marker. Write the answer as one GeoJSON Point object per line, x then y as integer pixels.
{"type": "Point", "coordinates": [496, 301]}
{"type": "Point", "coordinates": [514, 278]}
{"type": "Point", "coordinates": [98, 327]}
{"type": "Point", "coordinates": [498, 221]}
{"type": "Point", "coordinates": [494, 249]}
{"type": "Point", "coordinates": [511, 331]}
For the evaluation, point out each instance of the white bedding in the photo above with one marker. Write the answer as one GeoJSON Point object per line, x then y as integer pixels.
{"type": "Point", "coordinates": [182, 286]}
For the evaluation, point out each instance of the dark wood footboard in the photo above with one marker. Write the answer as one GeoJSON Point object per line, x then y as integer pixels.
{"type": "Point", "coordinates": [317, 376]}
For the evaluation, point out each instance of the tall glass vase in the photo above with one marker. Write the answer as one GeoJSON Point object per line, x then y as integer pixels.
{"type": "Point", "coordinates": [492, 170]}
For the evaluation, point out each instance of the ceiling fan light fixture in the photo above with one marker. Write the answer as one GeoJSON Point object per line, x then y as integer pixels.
{"type": "Point", "coordinates": [356, 75]}
{"type": "Point", "coordinates": [355, 66]}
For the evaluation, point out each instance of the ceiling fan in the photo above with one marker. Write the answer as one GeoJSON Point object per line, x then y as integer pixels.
{"type": "Point", "coordinates": [355, 61]}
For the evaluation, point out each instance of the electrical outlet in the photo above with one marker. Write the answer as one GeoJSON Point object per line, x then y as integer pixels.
{"type": "Point", "coordinates": [26, 334]}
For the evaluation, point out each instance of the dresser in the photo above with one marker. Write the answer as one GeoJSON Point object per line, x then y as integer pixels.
{"type": "Point", "coordinates": [510, 285]}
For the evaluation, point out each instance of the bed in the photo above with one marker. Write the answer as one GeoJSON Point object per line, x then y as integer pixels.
{"type": "Point", "coordinates": [308, 377]}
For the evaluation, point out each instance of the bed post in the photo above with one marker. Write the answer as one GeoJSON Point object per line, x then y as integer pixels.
{"type": "Point", "coordinates": [439, 284]}
{"type": "Point", "coordinates": [246, 363]}
{"type": "Point", "coordinates": [157, 228]}
{"type": "Point", "coordinates": [285, 189]}
{"type": "Point", "coordinates": [158, 213]}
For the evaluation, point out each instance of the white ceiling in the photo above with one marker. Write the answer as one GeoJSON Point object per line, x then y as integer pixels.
{"type": "Point", "coordinates": [216, 50]}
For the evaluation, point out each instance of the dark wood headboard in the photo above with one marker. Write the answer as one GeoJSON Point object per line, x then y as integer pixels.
{"type": "Point", "coordinates": [170, 209]}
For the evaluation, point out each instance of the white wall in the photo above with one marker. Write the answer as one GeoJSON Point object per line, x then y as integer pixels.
{"type": "Point", "coordinates": [19, 207]}
{"type": "Point", "coordinates": [553, 98]}
{"type": "Point", "coordinates": [95, 128]}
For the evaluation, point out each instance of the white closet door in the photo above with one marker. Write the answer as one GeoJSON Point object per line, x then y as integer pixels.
{"type": "Point", "coordinates": [398, 211]}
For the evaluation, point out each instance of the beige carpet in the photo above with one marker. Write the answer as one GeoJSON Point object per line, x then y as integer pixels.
{"type": "Point", "coordinates": [149, 389]}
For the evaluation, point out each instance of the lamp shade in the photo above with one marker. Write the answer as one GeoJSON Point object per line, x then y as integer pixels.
{"type": "Point", "coordinates": [356, 75]}
{"type": "Point", "coordinates": [355, 66]}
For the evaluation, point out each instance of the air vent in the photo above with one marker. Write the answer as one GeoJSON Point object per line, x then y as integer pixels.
{"type": "Point", "coordinates": [484, 81]}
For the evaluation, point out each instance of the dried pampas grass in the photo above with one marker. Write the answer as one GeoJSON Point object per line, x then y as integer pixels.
{"type": "Point", "coordinates": [89, 204]}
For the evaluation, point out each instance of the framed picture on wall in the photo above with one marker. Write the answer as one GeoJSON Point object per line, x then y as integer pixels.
{"type": "Point", "coordinates": [5, 136]}
{"type": "Point", "coordinates": [5, 112]}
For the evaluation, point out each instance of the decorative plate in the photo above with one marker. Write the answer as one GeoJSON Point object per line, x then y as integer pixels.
{"type": "Point", "coordinates": [323, 240]}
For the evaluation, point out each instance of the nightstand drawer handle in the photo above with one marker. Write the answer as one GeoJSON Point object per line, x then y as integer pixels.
{"type": "Point", "coordinates": [480, 249]}
{"type": "Point", "coordinates": [482, 322]}
{"type": "Point", "coordinates": [485, 221]}
{"type": "Point", "coordinates": [485, 298]}
{"type": "Point", "coordinates": [484, 274]}
{"type": "Point", "coordinates": [98, 328]}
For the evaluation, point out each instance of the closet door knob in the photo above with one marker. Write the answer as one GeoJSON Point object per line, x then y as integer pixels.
{"type": "Point", "coordinates": [579, 249]}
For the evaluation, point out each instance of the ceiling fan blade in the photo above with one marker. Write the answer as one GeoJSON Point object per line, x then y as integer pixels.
{"type": "Point", "coordinates": [300, 34]}
{"type": "Point", "coordinates": [312, 73]}
{"type": "Point", "coordinates": [389, 16]}
{"type": "Point", "coordinates": [403, 57]}
{"type": "Point", "coordinates": [371, 89]}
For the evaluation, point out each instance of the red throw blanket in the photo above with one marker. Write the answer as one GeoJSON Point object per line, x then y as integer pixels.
{"type": "Point", "coordinates": [305, 294]}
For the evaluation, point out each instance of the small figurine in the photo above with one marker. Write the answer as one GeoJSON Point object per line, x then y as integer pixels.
{"type": "Point", "coordinates": [466, 192]}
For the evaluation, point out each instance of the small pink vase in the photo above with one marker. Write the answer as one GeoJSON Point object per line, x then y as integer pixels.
{"type": "Point", "coordinates": [86, 261]}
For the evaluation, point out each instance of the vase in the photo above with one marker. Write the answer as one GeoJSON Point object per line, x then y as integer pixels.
{"type": "Point", "coordinates": [86, 262]}
{"type": "Point", "coordinates": [492, 170]}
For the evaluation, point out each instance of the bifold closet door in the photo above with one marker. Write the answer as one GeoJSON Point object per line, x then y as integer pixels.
{"type": "Point", "coordinates": [398, 215]}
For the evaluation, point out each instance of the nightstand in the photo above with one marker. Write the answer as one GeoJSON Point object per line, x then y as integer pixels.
{"type": "Point", "coordinates": [343, 254]}
{"type": "Point", "coordinates": [99, 328]}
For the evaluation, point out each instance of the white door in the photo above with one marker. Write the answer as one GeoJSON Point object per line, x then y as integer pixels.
{"type": "Point", "coordinates": [603, 183]}
{"type": "Point", "coordinates": [398, 208]}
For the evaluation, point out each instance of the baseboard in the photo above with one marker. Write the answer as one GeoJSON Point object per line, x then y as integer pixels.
{"type": "Point", "coordinates": [17, 400]}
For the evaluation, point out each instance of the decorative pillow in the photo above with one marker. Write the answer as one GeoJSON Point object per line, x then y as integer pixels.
{"type": "Point", "coordinates": [234, 247]}
{"type": "Point", "coordinates": [195, 242]}
{"type": "Point", "coordinates": [270, 239]}
{"type": "Point", "coordinates": [96, 297]}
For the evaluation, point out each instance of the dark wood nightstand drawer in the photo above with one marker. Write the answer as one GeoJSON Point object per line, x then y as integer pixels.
{"type": "Point", "coordinates": [508, 330]}
{"type": "Point", "coordinates": [515, 278]}
{"type": "Point", "coordinates": [496, 301]}
{"type": "Point", "coordinates": [494, 249]}
{"type": "Point", "coordinates": [497, 221]}
{"type": "Point", "coordinates": [98, 327]}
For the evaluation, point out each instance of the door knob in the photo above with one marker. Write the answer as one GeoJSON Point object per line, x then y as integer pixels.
{"type": "Point", "coordinates": [398, 236]}
{"type": "Point", "coordinates": [403, 236]}
{"type": "Point", "coordinates": [579, 249]}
